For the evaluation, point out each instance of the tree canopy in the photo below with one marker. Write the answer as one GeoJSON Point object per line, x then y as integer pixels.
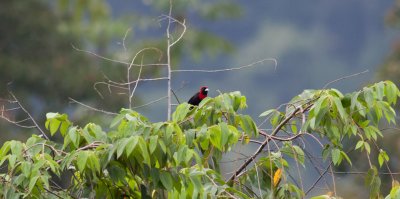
{"type": "Point", "coordinates": [132, 157]}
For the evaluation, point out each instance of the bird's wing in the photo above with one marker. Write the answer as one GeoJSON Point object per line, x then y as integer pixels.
{"type": "Point", "coordinates": [193, 98]}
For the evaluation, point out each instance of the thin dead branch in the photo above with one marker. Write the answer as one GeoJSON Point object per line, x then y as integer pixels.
{"type": "Point", "coordinates": [35, 125]}
{"type": "Point", "coordinates": [92, 108]}
{"type": "Point", "coordinates": [230, 69]}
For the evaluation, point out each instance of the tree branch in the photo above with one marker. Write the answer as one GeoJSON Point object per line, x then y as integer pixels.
{"type": "Point", "coordinates": [261, 147]}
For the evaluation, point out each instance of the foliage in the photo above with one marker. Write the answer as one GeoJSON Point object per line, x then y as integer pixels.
{"type": "Point", "coordinates": [389, 68]}
{"type": "Point", "coordinates": [36, 47]}
{"type": "Point", "coordinates": [181, 158]}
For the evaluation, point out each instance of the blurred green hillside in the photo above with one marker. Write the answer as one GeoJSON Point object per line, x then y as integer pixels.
{"type": "Point", "coordinates": [313, 42]}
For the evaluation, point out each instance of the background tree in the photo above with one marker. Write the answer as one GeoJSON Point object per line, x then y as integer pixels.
{"type": "Point", "coordinates": [38, 61]}
{"type": "Point", "coordinates": [101, 50]}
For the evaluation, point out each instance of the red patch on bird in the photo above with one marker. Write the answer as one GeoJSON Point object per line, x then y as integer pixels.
{"type": "Point", "coordinates": [201, 95]}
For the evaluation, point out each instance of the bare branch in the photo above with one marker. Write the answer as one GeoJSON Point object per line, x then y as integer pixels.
{"type": "Point", "coordinates": [113, 60]}
{"type": "Point", "coordinates": [151, 102]}
{"type": "Point", "coordinates": [266, 141]}
{"type": "Point", "coordinates": [231, 69]}
{"type": "Point", "coordinates": [170, 18]}
{"type": "Point", "coordinates": [133, 82]}
{"type": "Point", "coordinates": [319, 178]}
{"type": "Point", "coordinates": [136, 84]}
{"type": "Point", "coordinates": [123, 40]}
{"type": "Point", "coordinates": [29, 115]}
{"type": "Point", "coordinates": [169, 62]}
{"type": "Point", "coordinates": [92, 108]}
{"type": "Point", "coordinates": [176, 97]}
{"type": "Point", "coordinates": [16, 123]}
{"type": "Point", "coordinates": [345, 77]}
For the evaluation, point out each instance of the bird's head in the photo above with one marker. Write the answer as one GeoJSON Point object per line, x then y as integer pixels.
{"type": "Point", "coordinates": [204, 91]}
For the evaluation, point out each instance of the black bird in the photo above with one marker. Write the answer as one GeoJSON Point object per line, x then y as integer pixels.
{"type": "Point", "coordinates": [196, 98]}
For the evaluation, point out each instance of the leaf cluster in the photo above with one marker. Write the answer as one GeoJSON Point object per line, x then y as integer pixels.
{"type": "Point", "coordinates": [181, 158]}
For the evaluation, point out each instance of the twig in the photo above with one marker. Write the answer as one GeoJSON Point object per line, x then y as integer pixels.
{"type": "Point", "coordinates": [17, 124]}
{"type": "Point", "coordinates": [365, 173]}
{"type": "Point", "coordinates": [92, 108]}
{"type": "Point", "coordinates": [156, 100]}
{"type": "Point", "coordinates": [319, 178]}
{"type": "Point", "coordinates": [123, 40]}
{"type": "Point", "coordinates": [261, 147]}
{"type": "Point", "coordinates": [333, 180]}
{"type": "Point", "coordinates": [258, 180]}
{"type": "Point", "coordinates": [130, 94]}
{"type": "Point", "coordinates": [345, 77]}
{"type": "Point", "coordinates": [170, 44]}
{"type": "Point", "coordinates": [134, 88]}
{"type": "Point", "coordinates": [231, 69]}
{"type": "Point", "coordinates": [29, 115]}
{"type": "Point", "coordinates": [112, 60]}
{"type": "Point", "coordinates": [176, 97]}
{"type": "Point", "coordinates": [169, 62]}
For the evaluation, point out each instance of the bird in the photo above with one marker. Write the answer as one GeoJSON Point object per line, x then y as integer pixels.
{"type": "Point", "coordinates": [196, 98]}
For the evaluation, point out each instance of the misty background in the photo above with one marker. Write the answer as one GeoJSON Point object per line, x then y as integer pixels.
{"type": "Point", "coordinates": [313, 42]}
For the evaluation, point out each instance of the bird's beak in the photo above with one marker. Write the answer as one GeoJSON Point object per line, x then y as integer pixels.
{"type": "Point", "coordinates": [206, 89]}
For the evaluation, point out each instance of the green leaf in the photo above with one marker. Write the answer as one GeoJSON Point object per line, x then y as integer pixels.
{"type": "Point", "coordinates": [93, 162]}
{"type": "Point", "coordinates": [130, 145]}
{"type": "Point", "coordinates": [268, 112]}
{"type": "Point", "coordinates": [336, 158]}
{"type": "Point", "coordinates": [321, 103]}
{"type": "Point", "coordinates": [394, 192]}
{"type": "Point", "coordinates": [51, 115]}
{"type": "Point", "coordinates": [5, 149]}
{"type": "Point", "coordinates": [153, 143]}
{"type": "Point", "coordinates": [11, 160]}
{"type": "Point", "coordinates": [299, 154]}
{"type": "Point", "coordinates": [162, 146]}
{"type": "Point", "coordinates": [276, 118]}
{"type": "Point", "coordinates": [81, 160]}
{"type": "Point", "coordinates": [145, 153]}
{"type": "Point", "coordinates": [321, 197]}
{"type": "Point", "coordinates": [166, 180]}
{"type": "Point", "coordinates": [293, 127]}
{"type": "Point", "coordinates": [45, 181]}
{"type": "Point", "coordinates": [367, 147]}
{"type": "Point", "coordinates": [216, 137]}
{"type": "Point", "coordinates": [181, 112]}
{"type": "Point", "coordinates": [248, 125]}
{"type": "Point", "coordinates": [325, 152]}
{"type": "Point", "coordinates": [32, 183]}
{"type": "Point", "coordinates": [339, 107]}
{"type": "Point", "coordinates": [354, 101]}
{"type": "Point", "coordinates": [117, 120]}
{"type": "Point", "coordinates": [54, 125]}
{"type": "Point", "coordinates": [359, 144]}
{"type": "Point", "coordinates": [64, 128]}
{"type": "Point", "coordinates": [16, 148]}
{"type": "Point", "coordinates": [392, 92]}
{"type": "Point", "coordinates": [373, 181]}
{"type": "Point", "coordinates": [369, 96]}
{"type": "Point", "coordinates": [121, 146]}
{"type": "Point", "coordinates": [225, 133]}
{"type": "Point", "coordinates": [74, 136]}
{"type": "Point", "coordinates": [116, 171]}
{"type": "Point", "coordinates": [205, 101]}
{"type": "Point", "coordinates": [380, 160]}
{"type": "Point", "coordinates": [26, 169]}
{"type": "Point", "coordinates": [343, 154]}
{"type": "Point", "coordinates": [380, 90]}
{"type": "Point", "coordinates": [382, 157]}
